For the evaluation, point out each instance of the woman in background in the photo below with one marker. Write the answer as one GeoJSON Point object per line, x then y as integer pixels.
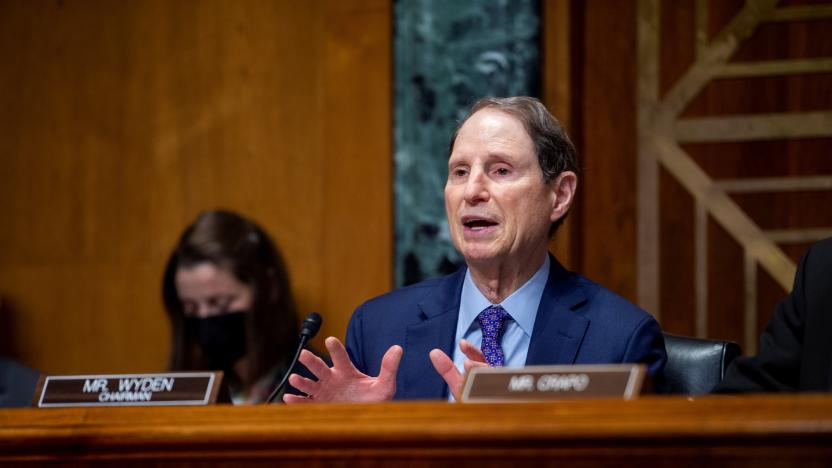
{"type": "Point", "coordinates": [228, 297]}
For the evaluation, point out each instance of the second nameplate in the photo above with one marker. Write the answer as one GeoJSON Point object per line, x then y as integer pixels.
{"type": "Point", "coordinates": [546, 383]}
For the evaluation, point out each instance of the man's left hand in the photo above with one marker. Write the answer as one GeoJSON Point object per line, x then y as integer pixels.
{"type": "Point", "coordinates": [446, 368]}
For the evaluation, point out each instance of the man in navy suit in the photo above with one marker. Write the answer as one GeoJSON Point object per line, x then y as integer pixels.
{"type": "Point", "coordinates": [511, 181]}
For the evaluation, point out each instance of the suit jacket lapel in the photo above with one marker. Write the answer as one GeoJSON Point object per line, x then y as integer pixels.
{"type": "Point", "coordinates": [437, 328]}
{"type": "Point", "coordinates": [558, 330]}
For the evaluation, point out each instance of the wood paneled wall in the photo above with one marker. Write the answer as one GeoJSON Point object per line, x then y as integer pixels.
{"type": "Point", "coordinates": [120, 121]}
{"type": "Point", "coordinates": [793, 43]}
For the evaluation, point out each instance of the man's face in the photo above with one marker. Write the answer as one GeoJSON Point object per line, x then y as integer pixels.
{"type": "Point", "coordinates": [497, 204]}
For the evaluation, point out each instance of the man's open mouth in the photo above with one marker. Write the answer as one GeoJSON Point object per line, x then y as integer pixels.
{"type": "Point", "coordinates": [477, 223]}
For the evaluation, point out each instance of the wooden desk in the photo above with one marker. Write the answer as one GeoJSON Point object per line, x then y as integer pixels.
{"type": "Point", "coordinates": [653, 431]}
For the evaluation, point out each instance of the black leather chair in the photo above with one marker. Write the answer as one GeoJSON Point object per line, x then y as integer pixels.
{"type": "Point", "coordinates": [17, 384]}
{"type": "Point", "coordinates": [694, 365]}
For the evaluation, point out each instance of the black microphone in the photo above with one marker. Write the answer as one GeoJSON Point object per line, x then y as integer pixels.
{"type": "Point", "coordinates": [310, 326]}
{"type": "Point", "coordinates": [308, 329]}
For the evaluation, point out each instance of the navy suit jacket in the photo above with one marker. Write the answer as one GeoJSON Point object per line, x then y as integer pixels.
{"type": "Point", "coordinates": [578, 322]}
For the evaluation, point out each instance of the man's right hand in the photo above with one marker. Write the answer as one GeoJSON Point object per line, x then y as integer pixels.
{"type": "Point", "coordinates": [343, 382]}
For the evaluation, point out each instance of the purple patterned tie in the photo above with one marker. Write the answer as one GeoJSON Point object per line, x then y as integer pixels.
{"type": "Point", "coordinates": [492, 322]}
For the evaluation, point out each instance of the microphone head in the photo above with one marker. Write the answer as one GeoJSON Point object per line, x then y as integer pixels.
{"type": "Point", "coordinates": [310, 326]}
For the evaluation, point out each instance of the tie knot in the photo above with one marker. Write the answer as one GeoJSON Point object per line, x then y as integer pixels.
{"type": "Point", "coordinates": [492, 319]}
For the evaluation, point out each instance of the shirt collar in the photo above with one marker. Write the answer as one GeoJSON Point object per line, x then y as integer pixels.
{"type": "Point", "coordinates": [522, 304]}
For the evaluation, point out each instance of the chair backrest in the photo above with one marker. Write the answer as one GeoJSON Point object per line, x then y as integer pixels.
{"type": "Point", "coordinates": [694, 365]}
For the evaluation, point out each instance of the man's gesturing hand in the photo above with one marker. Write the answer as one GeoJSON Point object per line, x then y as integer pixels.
{"type": "Point", "coordinates": [446, 368]}
{"type": "Point", "coordinates": [343, 382]}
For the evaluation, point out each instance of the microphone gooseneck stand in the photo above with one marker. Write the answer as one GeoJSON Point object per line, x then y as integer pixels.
{"type": "Point", "coordinates": [308, 329]}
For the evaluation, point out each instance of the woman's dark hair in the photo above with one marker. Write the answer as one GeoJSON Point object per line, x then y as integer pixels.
{"type": "Point", "coordinates": [227, 240]}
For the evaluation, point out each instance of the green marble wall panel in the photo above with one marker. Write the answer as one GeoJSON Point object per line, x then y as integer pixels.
{"type": "Point", "coordinates": [447, 55]}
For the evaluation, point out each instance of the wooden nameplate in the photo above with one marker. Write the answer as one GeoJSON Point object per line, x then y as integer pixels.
{"type": "Point", "coordinates": [163, 389]}
{"type": "Point", "coordinates": [545, 383]}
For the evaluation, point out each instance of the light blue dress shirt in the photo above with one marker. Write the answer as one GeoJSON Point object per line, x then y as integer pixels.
{"type": "Point", "coordinates": [521, 305]}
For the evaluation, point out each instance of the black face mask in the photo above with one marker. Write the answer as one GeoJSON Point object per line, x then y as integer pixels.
{"type": "Point", "coordinates": [222, 338]}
